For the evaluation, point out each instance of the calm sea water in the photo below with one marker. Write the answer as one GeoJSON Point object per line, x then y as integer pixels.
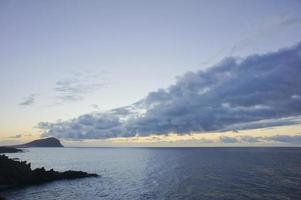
{"type": "Point", "coordinates": [167, 173]}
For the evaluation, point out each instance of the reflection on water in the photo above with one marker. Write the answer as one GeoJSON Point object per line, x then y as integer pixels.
{"type": "Point", "coordinates": [168, 173]}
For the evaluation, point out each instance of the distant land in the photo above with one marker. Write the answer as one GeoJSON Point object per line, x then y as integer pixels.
{"type": "Point", "coordinates": [47, 142]}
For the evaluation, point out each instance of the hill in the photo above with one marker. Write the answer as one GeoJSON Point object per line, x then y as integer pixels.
{"type": "Point", "coordinates": [47, 142]}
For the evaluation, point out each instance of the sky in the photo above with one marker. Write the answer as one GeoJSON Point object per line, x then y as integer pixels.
{"type": "Point", "coordinates": [151, 73]}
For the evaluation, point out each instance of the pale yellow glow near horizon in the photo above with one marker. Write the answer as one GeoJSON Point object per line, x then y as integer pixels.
{"type": "Point", "coordinates": [194, 139]}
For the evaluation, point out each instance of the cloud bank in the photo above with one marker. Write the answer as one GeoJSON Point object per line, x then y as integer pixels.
{"type": "Point", "coordinates": [235, 92]}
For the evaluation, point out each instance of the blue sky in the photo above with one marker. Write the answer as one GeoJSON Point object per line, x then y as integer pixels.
{"type": "Point", "coordinates": [63, 59]}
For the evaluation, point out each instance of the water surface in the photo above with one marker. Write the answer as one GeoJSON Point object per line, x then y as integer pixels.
{"type": "Point", "coordinates": [167, 173]}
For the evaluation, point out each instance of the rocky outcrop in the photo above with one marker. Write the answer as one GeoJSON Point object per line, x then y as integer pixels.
{"type": "Point", "coordinates": [19, 173]}
{"type": "Point", "coordinates": [9, 150]}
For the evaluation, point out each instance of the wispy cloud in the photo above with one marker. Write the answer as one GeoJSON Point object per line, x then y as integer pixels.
{"type": "Point", "coordinates": [27, 101]}
{"type": "Point", "coordinates": [16, 136]}
{"type": "Point", "coordinates": [259, 91]}
{"type": "Point", "coordinates": [77, 85]}
{"type": "Point", "coordinates": [290, 22]}
{"type": "Point", "coordinates": [250, 37]}
{"type": "Point", "coordinates": [267, 29]}
{"type": "Point", "coordinates": [94, 106]}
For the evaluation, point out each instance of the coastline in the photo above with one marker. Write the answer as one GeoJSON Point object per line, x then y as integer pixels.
{"type": "Point", "coordinates": [17, 174]}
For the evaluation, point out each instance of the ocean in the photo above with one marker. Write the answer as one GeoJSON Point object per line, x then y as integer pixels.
{"type": "Point", "coordinates": [167, 173]}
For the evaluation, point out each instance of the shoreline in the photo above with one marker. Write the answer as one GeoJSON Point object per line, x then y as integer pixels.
{"type": "Point", "coordinates": [17, 174]}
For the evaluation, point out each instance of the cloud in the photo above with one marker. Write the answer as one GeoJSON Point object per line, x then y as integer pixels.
{"type": "Point", "coordinates": [287, 139]}
{"type": "Point", "coordinates": [16, 136]}
{"type": "Point", "coordinates": [267, 29]}
{"type": "Point", "coordinates": [264, 123]}
{"type": "Point", "coordinates": [30, 100]}
{"type": "Point", "coordinates": [94, 106]}
{"type": "Point", "coordinates": [248, 139]}
{"type": "Point", "coordinates": [295, 139]}
{"type": "Point", "coordinates": [226, 139]}
{"type": "Point", "coordinates": [258, 91]}
{"type": "Point", "coordinates": [290, 22]}
{"type": "Point", "coordinates": [77, 85]}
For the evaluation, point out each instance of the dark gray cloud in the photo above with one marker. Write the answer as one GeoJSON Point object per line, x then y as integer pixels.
{"type": "Point", "coordinates": [30, 100]}
{"type": "Point", "coordinates": [260, 91]}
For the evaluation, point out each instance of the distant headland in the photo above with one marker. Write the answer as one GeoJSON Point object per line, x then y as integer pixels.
{"type": "Point", "coordinates": [45, 142]}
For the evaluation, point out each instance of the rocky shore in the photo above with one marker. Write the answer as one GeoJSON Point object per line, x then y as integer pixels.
{"type": "Point", "coordinates": [14, 173]}
{"type": "Point", "coordinates": [19, 173]}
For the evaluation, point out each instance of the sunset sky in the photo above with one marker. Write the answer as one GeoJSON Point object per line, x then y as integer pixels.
{"type": "Point", "coordinates": [151, 73]}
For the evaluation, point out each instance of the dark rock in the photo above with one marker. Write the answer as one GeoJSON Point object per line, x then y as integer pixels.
{"type": "Point", "coordinates": [15, 173]}
{"type": "Point", "coordinates": [9, 150]}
